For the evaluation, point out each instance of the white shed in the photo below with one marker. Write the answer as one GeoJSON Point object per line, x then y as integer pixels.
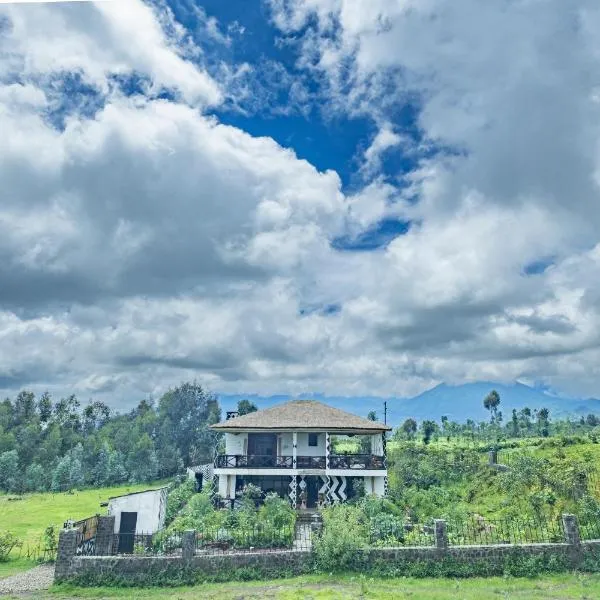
{"type": "Point", "coordinates": [139, 512]}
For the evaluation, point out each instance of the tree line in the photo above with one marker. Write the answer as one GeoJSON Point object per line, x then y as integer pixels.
{"type": "Point", "coordinates": [522, 424]}
{"type": "Point", "coordinates": [58, 446]}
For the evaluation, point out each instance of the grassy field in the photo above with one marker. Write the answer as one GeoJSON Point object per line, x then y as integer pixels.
{"type": "Point", "coordinates": [341, 588]}
{"type": "Point", "coordinates": [28, 516]}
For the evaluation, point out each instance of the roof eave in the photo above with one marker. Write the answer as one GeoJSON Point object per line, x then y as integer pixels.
{"type": "Point", "coordinates": [245, 428]}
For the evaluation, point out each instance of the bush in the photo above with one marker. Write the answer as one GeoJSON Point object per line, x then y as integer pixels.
{"type": "Point", "coordinates": [8, 541]}
{"type": "Point", "coordinates": [345, 534]}
{"type": "Point", "coordinates": [178, 497]}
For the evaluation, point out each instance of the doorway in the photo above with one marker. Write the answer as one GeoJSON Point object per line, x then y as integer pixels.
{"type": "Point", "coordinates": [262, 450]}
{"type": "Point", "coordinates": [312, 491]}
{"type": "Point", "coordinates": [127, 532]}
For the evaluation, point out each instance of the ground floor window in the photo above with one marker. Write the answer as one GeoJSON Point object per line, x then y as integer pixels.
{"type": "Point", "coordinates": [279, 485]}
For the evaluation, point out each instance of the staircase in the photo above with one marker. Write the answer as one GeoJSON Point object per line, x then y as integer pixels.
{"type": "Point", "coordinates": [306, 521]}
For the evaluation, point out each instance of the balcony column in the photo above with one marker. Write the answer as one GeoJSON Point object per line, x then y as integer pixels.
{"type": "Point", "coordinates": [294, 448]}
{"type": "Point", "coordinates": [327, 448]}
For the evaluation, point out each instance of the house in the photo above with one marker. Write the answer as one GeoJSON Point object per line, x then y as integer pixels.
{"type": "Point", "coordinates": [136, 514]}
{"type": "Point", "coordinates": [287, 449]}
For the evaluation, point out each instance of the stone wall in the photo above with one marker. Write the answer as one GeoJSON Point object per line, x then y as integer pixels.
{"type": "Point", "coordinates": [190, 567]}
{"type": "Point", "coordinates": [141, 568]}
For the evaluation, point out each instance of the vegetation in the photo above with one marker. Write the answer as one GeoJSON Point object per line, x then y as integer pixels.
{"type": "Point", "coordinates": [47, 446]}
{"type": "Point", "coordinates": [342, 587]}
{"type": "Point", "coordinates": [269, 523]}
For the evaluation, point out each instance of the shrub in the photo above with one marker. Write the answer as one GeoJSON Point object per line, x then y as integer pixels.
{"type": "Point", "coordinates": [8, 541]}
{"type": "Point", "coordinates": [345, 534]}
{"type": "Point", "coordinates": [178, 497]}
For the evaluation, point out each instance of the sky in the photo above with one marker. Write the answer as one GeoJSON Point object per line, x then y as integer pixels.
{"type": "Point", "coordinates": [343, 197]}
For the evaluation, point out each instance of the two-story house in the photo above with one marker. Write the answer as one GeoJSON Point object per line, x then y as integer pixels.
{"type": "Point", "coordinates": [288, 449]}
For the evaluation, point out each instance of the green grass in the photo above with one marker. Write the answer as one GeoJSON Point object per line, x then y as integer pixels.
{"type": "Point", "coordinates": [14, 566]}
{"type": "Point", "coordinates": [28, 516]}
{"type": "Point", "coordinates": [562, 587]}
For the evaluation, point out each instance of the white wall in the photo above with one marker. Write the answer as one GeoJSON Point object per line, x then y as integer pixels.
{"type": "Point", "coordinates": [377, 445]}
{"type": "Point", "coordinates": [379, 486]}
{"type": "Point", "coordinates": [303, 449]}
{"type": "Point", "coordinates": [287, 444]}
{"type": "Point", "coordinates": [236, 443]}
{"type": "Point", "coordinates": [150, 508]}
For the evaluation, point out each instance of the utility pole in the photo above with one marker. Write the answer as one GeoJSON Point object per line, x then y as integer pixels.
{"type": "Point", "coordinates": [385, 412]}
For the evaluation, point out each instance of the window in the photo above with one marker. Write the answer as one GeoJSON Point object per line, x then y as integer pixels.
{"type": "Point", "coordinates": [313, 439]}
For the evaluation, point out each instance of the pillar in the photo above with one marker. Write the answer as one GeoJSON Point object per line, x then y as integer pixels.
{"type": "Point", "coordinates": [294, 448]}
{"type": "Point", "coordinates": [571, 529]}
{"type": "Point", "coordinates": [223, 481]}
{"type": "Point", "coordinates": [493, 457]}
{"type": "Point", "coordinates": [67, 549]}
{"type": "Point", "coordinates": [188, 544]}
{"type": "Point", "coordinates": [441, 534]}
{"type": "Point", "coordinates": [105, 536]}
{"type": "Point", "coordinates": [327, 449]}
{"type": "Point", "coordinates": [232, 479]}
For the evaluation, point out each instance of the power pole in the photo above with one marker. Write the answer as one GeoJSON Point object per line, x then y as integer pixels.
{"type": "Point", "coordinates": [385, 412]}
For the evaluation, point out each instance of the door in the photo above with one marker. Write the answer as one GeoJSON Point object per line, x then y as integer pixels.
{"type": "Point", "coordinates": [127, 532]}
{"type": "Point", "coordinates": [312, 491]}
{"type": "Point", "coordinates": [262, 449]}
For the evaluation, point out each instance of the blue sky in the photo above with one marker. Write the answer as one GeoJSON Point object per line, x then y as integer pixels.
{"type": "Point", "coordinates": [294, 197]}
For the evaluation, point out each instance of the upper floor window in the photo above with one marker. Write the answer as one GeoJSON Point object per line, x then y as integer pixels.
{"type": "Point", "coordinates": [313, 439]}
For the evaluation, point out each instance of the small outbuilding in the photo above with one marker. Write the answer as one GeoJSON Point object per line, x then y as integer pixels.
{"type": "Point", "coordinates": [139, 512]}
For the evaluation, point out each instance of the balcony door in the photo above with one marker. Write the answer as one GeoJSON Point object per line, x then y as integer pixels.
{"type": "Point", "coordinates": [262, 444]}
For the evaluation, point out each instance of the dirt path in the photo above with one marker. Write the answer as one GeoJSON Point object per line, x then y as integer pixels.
{"type": "Point", "coordinates": [34, 580]}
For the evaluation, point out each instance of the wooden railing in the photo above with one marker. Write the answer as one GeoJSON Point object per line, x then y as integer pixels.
{"type": "Point", "coordinates": [336, 461]}
{"type": "Point", "coordinates": [253, 461]}
{"type": "Point", "coordinates": [356, 461]}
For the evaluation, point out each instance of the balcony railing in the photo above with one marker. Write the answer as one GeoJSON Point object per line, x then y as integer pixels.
{"type": "Point", "coordinates": [310, 462]}
{"type": "Point", "coordinates": [253, 461]}
{"type": "Point", "coordinates": [356, 461]}
{"type": "Point", "coordinates": [336, 461]}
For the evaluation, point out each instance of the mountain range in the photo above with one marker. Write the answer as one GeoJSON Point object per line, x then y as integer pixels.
{"type": "Point", "coordinates": [457, 402]}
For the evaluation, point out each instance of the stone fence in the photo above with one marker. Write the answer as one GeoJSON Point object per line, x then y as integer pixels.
{"type": "Point", "coordinates": [572, 552]}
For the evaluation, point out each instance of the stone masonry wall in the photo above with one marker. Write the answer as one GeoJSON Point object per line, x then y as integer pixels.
{"type": "Point", "coordinates": [572, 552]}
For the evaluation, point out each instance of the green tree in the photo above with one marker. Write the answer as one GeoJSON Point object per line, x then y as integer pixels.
{"type": "Point", "coordinates": [245, 407]}
{"type": "Point", "coordinates": [24, 407]}
{"type": "Point", "coordinates": [9, 471]}
{"type": "Point", "coordinates": [191, 410]}
{"type": "Point", "coordinates": [428, 428]}
{"type": "Point", "coordinates": [514, 423]}
{"type": "Point", "coordinates": [543, 422]}
{"type": "Point", "coordinates": [45, 407]}
{"type": "Point", "coordinates": [491, 402]}
{"type": "Point", "coordinates": [372, 416]}
{"type": "Point", "coordinates": [409, 428]}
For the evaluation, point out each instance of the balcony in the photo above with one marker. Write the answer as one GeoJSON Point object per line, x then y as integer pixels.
{"type": "Point", "coordinates": [336, 461]}
{"type": "Point", "coordinates": [356, 461]}
{"type": "Point", "coordinates": [253, 461]}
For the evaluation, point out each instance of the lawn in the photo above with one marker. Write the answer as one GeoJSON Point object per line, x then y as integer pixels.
{"type": "Point", "coordinates": [28, 516]}
{"type": "Point", "coordinates": [562, 587]}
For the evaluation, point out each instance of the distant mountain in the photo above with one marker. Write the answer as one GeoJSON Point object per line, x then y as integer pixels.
{"type": "Point", "coordinates": [457, 402]}
{"type": "Point", "coordinates": [462, 402]}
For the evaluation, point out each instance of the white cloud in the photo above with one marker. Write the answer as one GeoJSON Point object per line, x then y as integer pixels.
{"type": "Point", "coordinates": [99, 40]}
{"type": "Point", "coordinates": [149, 243]}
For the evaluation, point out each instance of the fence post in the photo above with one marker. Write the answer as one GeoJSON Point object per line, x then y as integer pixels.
{"type": "Point", "coordinates": [572, 538]}
{"type": "Point", "coordinates": [105, 536]}
{"type": "Point", "coordinates": [67, 549]}
{"type": "Point", "coordinates": [188, 544]}
{"type": "Point", "coordinates": [571, 527]}
{"type": "Point", "coordinates": [493, 457]}
{"type": "Point", "coordinates": [441, 534]}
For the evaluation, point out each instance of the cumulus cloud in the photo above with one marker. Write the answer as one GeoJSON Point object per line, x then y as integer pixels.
{"type": "Point", "coordinates": [144, 242]}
